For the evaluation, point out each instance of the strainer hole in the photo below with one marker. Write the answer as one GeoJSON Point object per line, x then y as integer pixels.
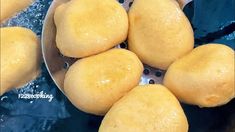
{"type": "Point", "coordinates": [151, 81]}
{"type": "Point", "coordinates": [121, 1]}
{"type": "Point", "coordinates": [158, 73]}
{"type": "Point", "coordinates": [146, 71]}
{"type": "Point", "coordinates": [123, 45]}
{"type": "Point", "coordinates": [66, 65]}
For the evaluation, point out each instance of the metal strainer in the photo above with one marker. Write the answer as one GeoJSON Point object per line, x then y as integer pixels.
{"type": "Point", "coordinates": [57, 64]}
{"type": "Point", "coordinates": [207, 119]}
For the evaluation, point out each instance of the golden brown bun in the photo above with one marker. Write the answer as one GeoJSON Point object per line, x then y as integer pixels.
{"type": "Point", "coordinates": [148, 108]}
{"type": "Point", "coordinates": [204, 77]}
{"type": "Point", "coordinates": [94, 83]}
{"type": "Point", "coordinates": [10, 7]}
{"type": "Point", "coordinates": [159, 32]}
{"type": "Point", "coordinates": [88, 27]}
{"type": "Point", "coordinates": [20, 57]}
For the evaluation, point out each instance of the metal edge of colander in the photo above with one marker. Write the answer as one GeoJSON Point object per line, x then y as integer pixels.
{"type": "Point", "coordinates": [46, 41]}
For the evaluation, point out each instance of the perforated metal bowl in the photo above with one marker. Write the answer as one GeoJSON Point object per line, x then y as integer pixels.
{"type": "Point", "coordinates": [208, 119]}
{"type": "Point", "coordinates": [57, 64]}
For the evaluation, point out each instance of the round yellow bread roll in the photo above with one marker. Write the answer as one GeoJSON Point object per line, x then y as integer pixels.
{"type": "Point", "coordinates": [88, 27]}
{"type": "Point", "coordinates": [147, 108]}
{"type": "Point", "coordinates": [10, 7]}
{"type": "Point", "coordinates": [20, 57]}
{"type": "Point", "coordinates": [94, 83]}
{"type": "Point", "coordinates": [159, 32]}
{"type": "Point", "coordinates": [204, 77]}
